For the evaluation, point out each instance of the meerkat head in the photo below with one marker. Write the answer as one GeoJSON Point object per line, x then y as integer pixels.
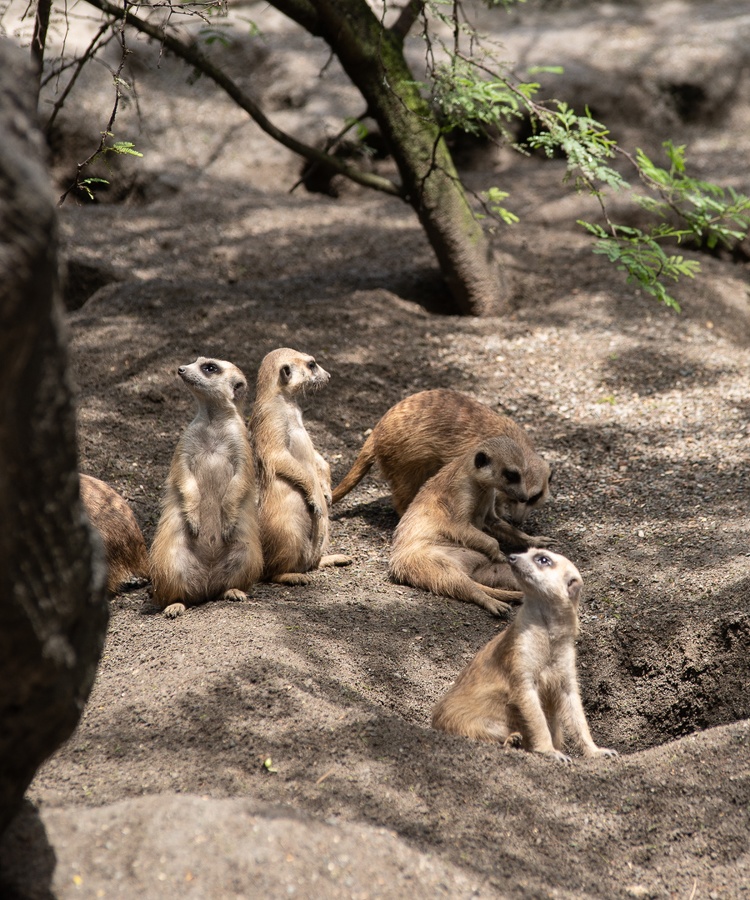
{"type": "Point", "coordinates": [215, 381]}
{"type": "Point", "coordinates": [292, 371]}
{"type": "Point", "coordinates": [538, 478]}
{"type": "Point", "coordinates": [499, 463]}
{"type": "Point", "coordinates": [547, 575]}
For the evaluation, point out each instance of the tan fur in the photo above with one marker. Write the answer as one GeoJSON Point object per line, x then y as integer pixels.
{"type": "Point", "coordinates": [439, 544]}
{"type": "Point", "coordinates": [524, 682]}
{"type": "Point", "coordinates": [124, 546]}
{"type": "Point", "coordinates": [293, 478]}
{"type": "Point", "coordinates": [207, 543]}
{"type": "Point", "coordinates": [424, 431]}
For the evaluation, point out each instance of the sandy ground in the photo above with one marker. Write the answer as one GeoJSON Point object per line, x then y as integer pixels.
{"type": "Point", "coordinates": [644, 416]}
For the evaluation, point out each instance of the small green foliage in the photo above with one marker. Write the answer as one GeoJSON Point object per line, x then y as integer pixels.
{"type": "Point", "coordinates": [639, 254]}
{"type": "Point", "coordinates": [125, 148]}
{"type": "Point", "coordinates": [584, 141]}
{"type": "Point", "coordinates": [492, 201]}
{"type": "Point", "coordinates": [713, 215]}
{"type": "Point", "coordinates": [214, 34]}
{"type": "Point", "coordinates": [469, 102]}
{"type": "Point", "coordinates": [86, 183]}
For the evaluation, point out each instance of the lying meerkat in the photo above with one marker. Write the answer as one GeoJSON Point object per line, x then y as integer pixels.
{"type": "Point", "coordinates": [439, 544]}
{"type": "Point", "coordinates": [523, 683]}
{"type": "Point", "coordinates": [207, 542]}
{"type": "Point", "coordinates": [293, 478]}
{"type": "Point", "coordinates": [424, 431]}
{"type": "Point", "coordinates": [124, 546]}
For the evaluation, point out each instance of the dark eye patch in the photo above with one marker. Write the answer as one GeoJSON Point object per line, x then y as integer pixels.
{"type": "Point", "coordinates": [481, 460]}
{"type": "Point", "coordinates": [210, 368]}
{"type": "Point", "coordinates": [312, 365]}
{"type": "Point", "coordinates": [512, 476]}
{"type": "Point", "coordinates": [543, 560]}
{"type": "Point", "coordinates": [535, 498]}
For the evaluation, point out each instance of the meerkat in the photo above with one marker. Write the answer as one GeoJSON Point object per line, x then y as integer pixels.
{"type": "Point", "coordinates": [522, 686]}
{"type": "Point", "coordinates": [207, 542]}
{"type": "Point", "coordinates": [124, 546]}
{"type": "Point", "coordinates": [294, 480]}
{"type": "Point", "coordinates": [421, 433]}
{"type": "Point", "coordinates": [439, 544]}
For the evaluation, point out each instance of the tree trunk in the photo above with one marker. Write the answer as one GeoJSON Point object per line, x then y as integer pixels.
{"type": "Point", "coordinates": [373, 58]}
{"type": "Point", "coordinates": [52, 606]}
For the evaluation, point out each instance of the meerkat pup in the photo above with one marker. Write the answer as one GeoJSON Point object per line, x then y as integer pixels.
{"type": "Point", "coordinates": [207, 542]}
{"type": "Point", "coordinates": [439, 544]}
{"type": "Point", "coordinates": [124, 546]}
{"type": "Point", "coordinates": [293, 478]}
{"type": "Point", "coordinates": [421, 433]}
{"type": "Point", "coordinates": [522, 685]}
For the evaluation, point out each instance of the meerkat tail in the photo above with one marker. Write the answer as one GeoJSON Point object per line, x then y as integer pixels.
{"type": "Point", "coordinates": [361, 467]}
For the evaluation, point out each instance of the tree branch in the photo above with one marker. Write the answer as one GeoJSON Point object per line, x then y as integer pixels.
{"type": "Point", "coordinates": [302, 12]}
{"type": "Point", "coordinates": [192, 55]}
{"type": "Point", "coordinates": [409, 15]}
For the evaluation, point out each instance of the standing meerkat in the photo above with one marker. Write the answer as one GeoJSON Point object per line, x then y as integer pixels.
{"type": "Point", "coordinates": [207, 543]}
{"type": "Point", "coordinates": [422, 432]}
{"type": "Point", "coordinates": [439, 544]}
{"type": "Point", "coordinates": [523, 683]}
{"type": "Point", "coordinates": [124, 546]}
{"type": "Point", "coordinates": [294, 480]}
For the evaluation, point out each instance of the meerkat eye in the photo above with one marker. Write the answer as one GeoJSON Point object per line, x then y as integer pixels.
{"type": "Point", "coordinates": [542, 560]}
{"type": "Point", "coordinates": [312, 365]}
{"type": "Point", "coordinates": [481, 460]}
{"type": "Point", "coordinates": [535, 499]}
{"type": "Point", "coordinates": [209, 368]}
{"type": "Point", "coordinates": [511, 476]}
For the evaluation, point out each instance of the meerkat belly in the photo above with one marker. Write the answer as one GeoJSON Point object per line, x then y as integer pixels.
{"type": "Point", "coordinates": [215, 473]}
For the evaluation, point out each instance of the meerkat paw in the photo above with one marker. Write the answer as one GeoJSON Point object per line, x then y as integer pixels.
{"type": "Point", "coordinates": [514, 741]}
{"type": "Point", "coordinates": [541, 540]}
{"type": "Point", "coordinates": [602, 753]}
{"type": "Point", "coordinates": [234, 594]}
{"type": "Point", "coordinates": [293, 578]}
{"type": "Point", "coordinates": [496, 607]}
{"type": "Point", "coordinates": [558, 755]}
{"type": "Point", "coordinates": [174, 610]}
{"type": "Point", "coordinates": [334, 559]}
{"type": "Point", "coordinates": [315, 510]}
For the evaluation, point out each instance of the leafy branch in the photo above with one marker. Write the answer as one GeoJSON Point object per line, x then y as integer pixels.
{"type": "Point", "coordinates": [471, 96]}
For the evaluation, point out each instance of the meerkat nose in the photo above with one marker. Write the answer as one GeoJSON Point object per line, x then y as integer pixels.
{"type": "Point", "coordinates": [181, 370]}
{"type": "Point", "coordinates": [512, 558]}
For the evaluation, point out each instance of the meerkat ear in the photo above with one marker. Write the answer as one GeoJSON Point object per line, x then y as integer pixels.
{"type": "Point", "coordinates": [286, 374]}
{"type": "Point", "coordinates": [239, 389]}
{"type": "Point", "coordinates": [574, 589]}
{"type": "Point", "coordinates": [481, 460]}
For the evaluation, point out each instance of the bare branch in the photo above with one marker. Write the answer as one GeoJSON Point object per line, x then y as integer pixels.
{"type": "Point", "coordinates": [192, 55]}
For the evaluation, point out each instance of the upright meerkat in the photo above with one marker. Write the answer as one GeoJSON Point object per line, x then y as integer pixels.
{"type": "Point", "coordinates": [439, 544]}
{"type": "Point", "coordinates": [207, 542]}
{"type": "Point", "coordinates": [293, 478]}
{"type": "Point", "coordinates": [124, 546]}
{"type": "Point", "coordinates": [523, 683]}
{"type": "Point", "coordinates": [421, 433]}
